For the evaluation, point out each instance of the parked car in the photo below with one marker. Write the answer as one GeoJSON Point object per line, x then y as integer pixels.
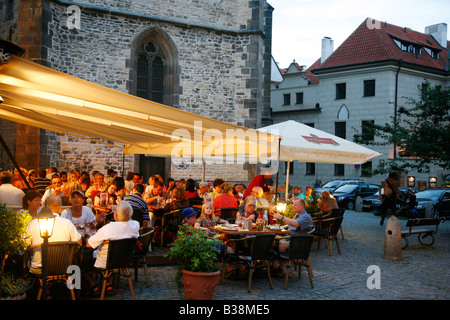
{"type": "Point", "coordinates": [440, 198]}
{"type": "Point", "coordinates": [373, 202]}
{"type": "Point", "coordinates": [332, 185]}
{"type": "Point", "coordinates": [346, 195]}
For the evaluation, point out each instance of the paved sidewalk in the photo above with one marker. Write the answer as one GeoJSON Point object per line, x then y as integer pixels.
{"type": "Point", "coordinates": [422, 275]}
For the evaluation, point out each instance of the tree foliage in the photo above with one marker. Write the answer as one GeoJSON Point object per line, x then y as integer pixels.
{"type": "Point", "coordinates": [421, 132]}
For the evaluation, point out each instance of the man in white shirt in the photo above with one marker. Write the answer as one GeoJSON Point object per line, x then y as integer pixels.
{"type": "Point", "coordinates": [122, 228]}
{"type": "Point", "coordinates": [63, 230]}
{"type": "Point", "coordinates": [9, 194]}
{"type": "Point", "coordinates": [56, 189]}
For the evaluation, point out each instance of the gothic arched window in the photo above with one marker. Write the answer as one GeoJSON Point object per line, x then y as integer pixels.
{"type": "Point", "coordinates": [150, 74]}
{"type": "Point", "coordinates": [153, 68]}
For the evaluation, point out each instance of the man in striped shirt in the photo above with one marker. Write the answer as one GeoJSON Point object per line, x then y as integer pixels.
{"type": "Point", "coordinates": [140, 207]}
{"type": "Point", "coordinates": [41, 183]}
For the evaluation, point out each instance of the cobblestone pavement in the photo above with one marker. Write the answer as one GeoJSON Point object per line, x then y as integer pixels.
{"type": "Point", "coordinates": [423, 274]}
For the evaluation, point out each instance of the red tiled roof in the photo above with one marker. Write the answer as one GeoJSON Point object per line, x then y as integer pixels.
{"type": "Point", "coordinates": [309, 75]}
{"type": "Point", "coordinates": [368, 45]}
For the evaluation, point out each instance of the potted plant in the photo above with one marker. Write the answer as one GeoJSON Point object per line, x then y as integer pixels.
{"type": "Point", "coordinates": [197, 268]}
{"type": "Point", "coordinates": [13, 239]}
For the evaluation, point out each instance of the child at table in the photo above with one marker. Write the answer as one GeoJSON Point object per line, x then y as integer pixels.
{"type": "Point", "coordinates": [207, 219]}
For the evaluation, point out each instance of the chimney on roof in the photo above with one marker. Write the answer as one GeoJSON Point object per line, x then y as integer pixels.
{"type": "Point", "coordinates": [439, 33]}
{"type": "Point", "coordinates": [327, 48]}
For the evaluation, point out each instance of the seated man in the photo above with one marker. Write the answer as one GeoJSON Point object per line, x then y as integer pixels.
{"type": "Point", "coordinates": [56, 189]}
{"type": "Point", "coordinates": [137, 201]}
{"type": "Point", "coordinates": [99, 184]}
{"type": "Point", "coordinates": [301, 223]}
{"type": "Point", "coordinates": [123, 227]}
{"type": "Point", "coordinates": [157, 192]}
{"type": "Point", "coordinates": [307, 194]}
{"type": "Point", "coordinates": [63, 230]}
{"type": "Point", "coordinates": [9, 194]}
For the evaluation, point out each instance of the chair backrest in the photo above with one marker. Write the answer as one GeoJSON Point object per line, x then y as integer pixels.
{"type": "Point", "coordinates": [260, 246]}
{"type": "Point", "coordinates": [300, 246]}
{"type": "Point", "coordinates": [137, 215]}
{"type": "Point", "coordinates": [61, 255]}
{"type": "Point", "coordinates": [195, 201]}
{"type": "Point", "coordinates": [337, 212]}
{"type": "Point", "coordinates": [172, 219]}
{"type": "Point", "coordinates": [229, 214]}
{"type": "Point", "coordinates": [120, 253]}
{"type": "Point", "coordinates": [146, 238]}
{"type": "Point", "coordinates": [335, 225]}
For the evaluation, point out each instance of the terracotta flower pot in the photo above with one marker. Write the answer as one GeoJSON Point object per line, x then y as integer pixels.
{"type": "Point", "coordinates": [199, 285]}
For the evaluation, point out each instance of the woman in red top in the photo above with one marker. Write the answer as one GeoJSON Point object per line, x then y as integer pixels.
{"type": "Point", "coordinates": [226, 199]}
{"type": "Point", "coordinates": [190, 191]}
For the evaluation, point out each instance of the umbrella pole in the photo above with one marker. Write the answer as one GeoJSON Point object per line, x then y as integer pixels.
{"type": "Point", "coordinates": [286, 190]}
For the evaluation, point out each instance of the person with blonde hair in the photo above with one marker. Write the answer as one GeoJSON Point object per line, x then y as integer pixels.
{"type": "Point", "coordinates": [327, 203]}
{"type": "Point", "coordinates": [208, 219]}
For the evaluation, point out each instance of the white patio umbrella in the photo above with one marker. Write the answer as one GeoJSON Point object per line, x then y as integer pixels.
{"type": "Point", "coordinates": [307, 144]}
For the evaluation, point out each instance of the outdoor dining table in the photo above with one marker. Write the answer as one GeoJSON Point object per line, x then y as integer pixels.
{"type": "Point", "coordinates": [236, 231]}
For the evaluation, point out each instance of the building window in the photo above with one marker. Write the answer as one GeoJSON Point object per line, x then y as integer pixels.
{"type": "Point", "coordinates": [339, 170]}
{"type": "Point", "coordinates": [287, 99]}
{"type": "Point", "coordinates": [340, 90]}
{"type": "Point", "coordinates": [369, 88]}
{"type": "Point", "coordinates": [340, 129]}
{"type": "Point", "coordinates": [153, 67]}
{"type": "Point", "coordinates": [343, 113]}
{"type": "Point", "coordinates": [424, 90]}
{"type": "Point", "coordinates": [299, 98]}
{"type": "Point", "coordinates": [310, 169]}
{"type": "Point", "coordinates": [364, 167]}
{"type": "Point", "coordinates": [150, 75]}
{"type": "Point", "coordinates": [367, 130]}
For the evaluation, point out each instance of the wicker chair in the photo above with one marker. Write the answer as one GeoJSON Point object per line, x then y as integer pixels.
{"type": "Point", "coordinates": [253, 250]}
{"type": "Point", "coordinates": [61, 255]}
{"type": "Point", "coordinates": [328, 231]}
{"type": "Point", "coordinates": [120, 254]}
{"type": "Point", "coordinates": [298, 255]}
{"type": "Point", "coordinates": [145, 240]}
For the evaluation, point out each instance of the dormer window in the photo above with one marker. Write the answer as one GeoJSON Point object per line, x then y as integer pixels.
{"type": "Point", "coordinates": [433, 53]}
{"type": "Point", "coordinates": [408, 47]}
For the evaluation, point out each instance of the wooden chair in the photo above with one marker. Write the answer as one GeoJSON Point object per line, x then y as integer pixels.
{"type": "Point", "coordinates": [170, 223]}
{"type": "Point", "coordinates": [335, 213]}
{"type": "Point", "coordinates": [298, 255]}
{"type": "Point", "coordinates": [61, 255]}
{"type": "Point", "coordinates": [120, 254]}
{"type": "Point", "coordinates": [253, 250]}
{"type": "Point", "coordinates": [144, 241]}
{"type": "Point", "coordinates": [328, 231]}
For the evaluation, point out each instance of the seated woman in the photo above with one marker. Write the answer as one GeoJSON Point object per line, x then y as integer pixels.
{"type": "Point", "coordinates": [190, 191]}
{"type": "Point", "coordinates": [179, 200]}
{"type": "Point", "coordinates": [107, 205]}
{"type": "Point", "coordinates": [327, 203]}
{"type": "Point", "coordinates": [207, 219]}
{"type": "Point", "coordinates": [79, 214]}
{"type": "Point", "coordinates": [31, 202]}
{"type": "Point", "coordinates": [249, 212]}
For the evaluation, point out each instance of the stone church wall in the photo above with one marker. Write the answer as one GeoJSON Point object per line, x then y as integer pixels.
{"type": "Point", "coordinates": [219, 65]}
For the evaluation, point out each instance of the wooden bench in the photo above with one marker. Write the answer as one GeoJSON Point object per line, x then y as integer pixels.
{"type": "Point", "coordinates": [421, 232]}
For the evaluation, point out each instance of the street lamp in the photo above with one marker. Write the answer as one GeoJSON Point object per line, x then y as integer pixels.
{"type": "Point", "coordinates": [46, 221]}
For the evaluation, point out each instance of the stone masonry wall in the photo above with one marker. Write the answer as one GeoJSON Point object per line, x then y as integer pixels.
{"type": "Point", "coordinates": [216, 70]}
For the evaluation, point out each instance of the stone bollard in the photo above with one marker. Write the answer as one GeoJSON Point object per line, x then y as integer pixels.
{"type": "Point", "coordinates": [358, 204]}
{"type": "Point", "coordinates": [393, 240]}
